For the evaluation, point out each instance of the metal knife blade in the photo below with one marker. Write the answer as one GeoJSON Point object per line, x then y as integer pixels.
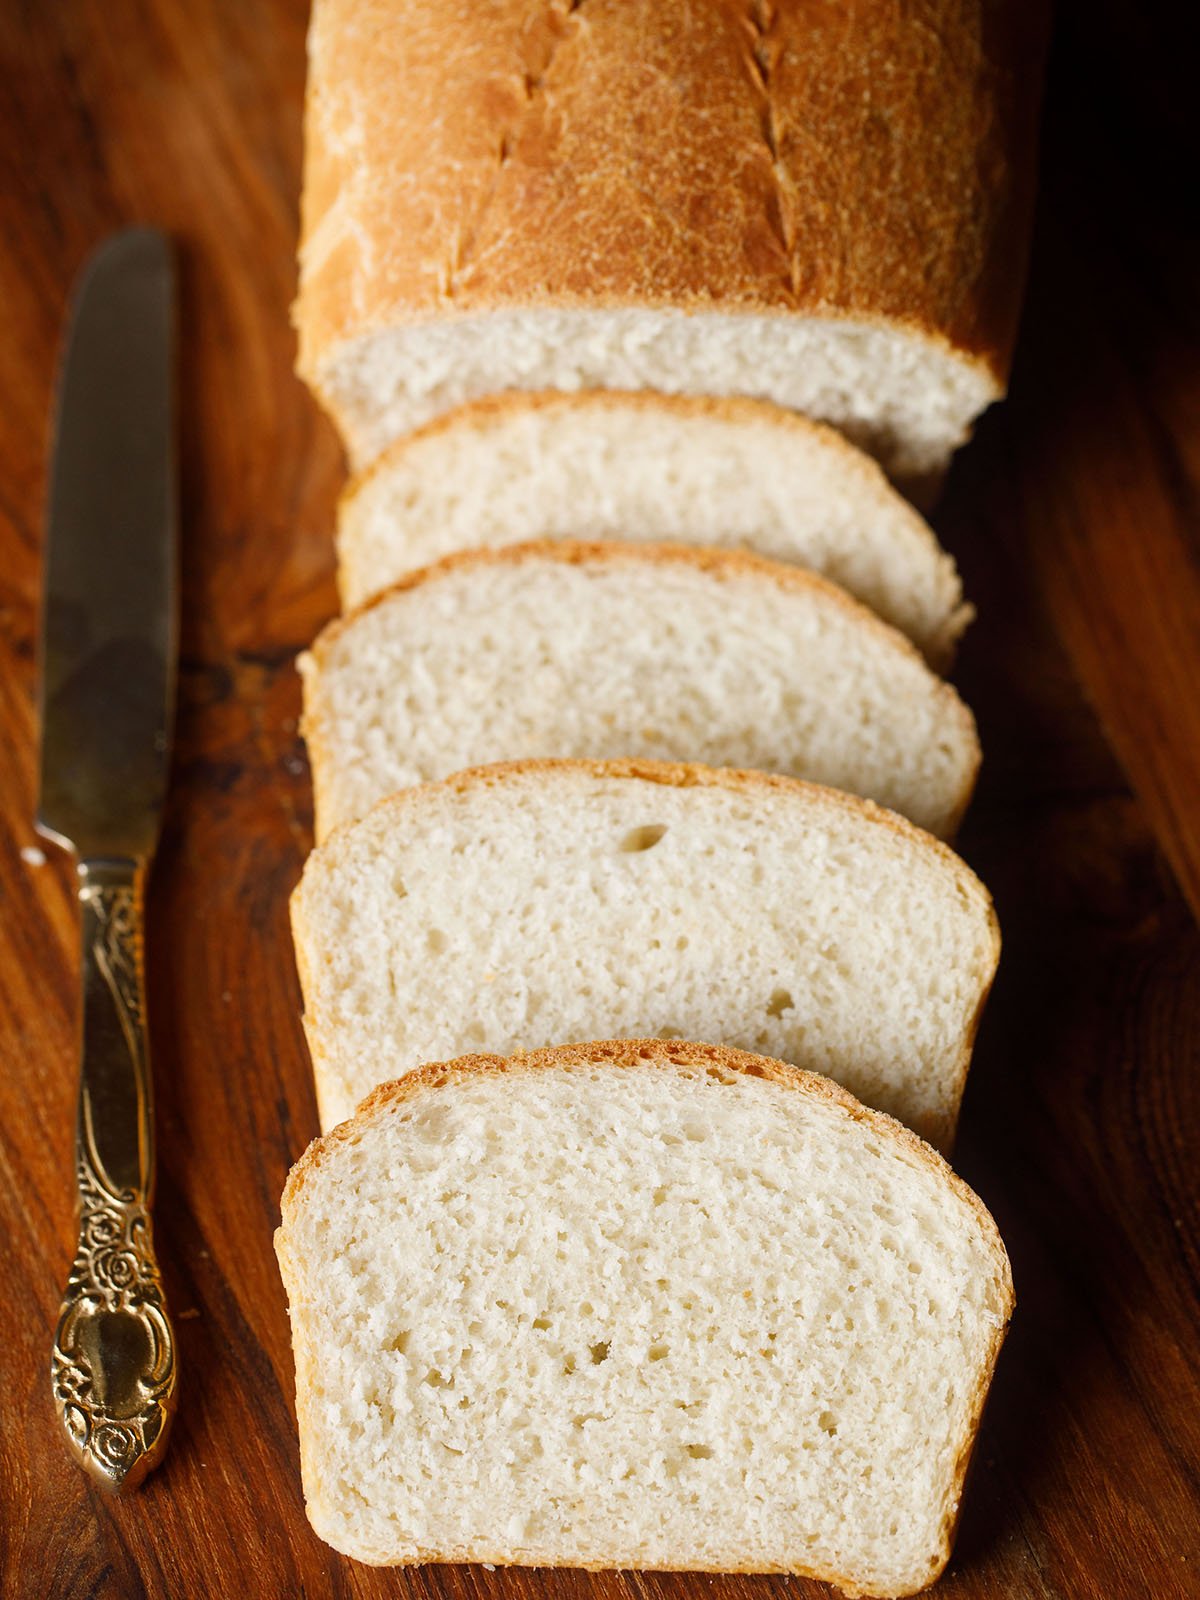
{"type": "Point", "coordinates": [109, 629]}
{"type": "Point", "coordinates": [108, 681]}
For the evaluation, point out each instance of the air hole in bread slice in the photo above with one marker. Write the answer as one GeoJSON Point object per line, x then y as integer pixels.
{"type": "Point", "coordinates": [643, 838]}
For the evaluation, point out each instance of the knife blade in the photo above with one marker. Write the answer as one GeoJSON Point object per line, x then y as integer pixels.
{"type": "Point", "coordinates": [109, 616]}
{"type": "Point", "coordinates": [109, 644]}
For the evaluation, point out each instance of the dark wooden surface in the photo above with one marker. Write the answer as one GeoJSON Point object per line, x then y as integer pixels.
{"type": "Point", "coordinates": [1075, 517]}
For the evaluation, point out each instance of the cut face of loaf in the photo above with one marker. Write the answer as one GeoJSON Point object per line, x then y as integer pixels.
{"type": "Point", "coordinates": [897, 394]}
{"type": "Point", "coordinates": [608, 651]}
{"type": "Point", "coordinates": [733, 473]}
{"type": "Point", "coordinates": [557, 901]}
{"type": "Point", "coordinates": [638, 1304]}
{"type": "Point", "coordinates": [820, 206]}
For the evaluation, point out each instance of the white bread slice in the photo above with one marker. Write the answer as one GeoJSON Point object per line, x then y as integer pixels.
{"type": "Point", "coordinates": [819, 205]}
{"type": "Point", "coordinates": [736, 473]}
{"type": "Point", "coordinates": [610, 650]}
{"type": "Point", "coordinates": [638, 1304]}
{"type": "Point", "coordinates": [546, 902]}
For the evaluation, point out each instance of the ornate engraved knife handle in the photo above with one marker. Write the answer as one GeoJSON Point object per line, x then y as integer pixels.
{"type": "Point", "coordinates": [114, 1351]}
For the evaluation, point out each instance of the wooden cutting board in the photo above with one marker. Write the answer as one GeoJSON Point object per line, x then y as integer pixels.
{"type": "Point", "coordinates": [1076, 518]}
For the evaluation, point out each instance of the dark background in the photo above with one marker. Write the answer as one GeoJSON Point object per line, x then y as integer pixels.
{"type": "Point", "coordinates": [1074, 516]}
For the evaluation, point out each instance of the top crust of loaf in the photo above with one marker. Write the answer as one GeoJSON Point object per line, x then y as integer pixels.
{"type": "Point", "coordinates": [462, 159]}
{"type": "Point", "coordinates": [658, 1055]}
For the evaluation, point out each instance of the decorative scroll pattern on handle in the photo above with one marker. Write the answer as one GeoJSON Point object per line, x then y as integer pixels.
{"type": "Point", "coordinates": [114, 911]}
{"type": "Point", "coordinates": [114, 1355]}
{"type": "Point", "coordinates": [113, 1366]}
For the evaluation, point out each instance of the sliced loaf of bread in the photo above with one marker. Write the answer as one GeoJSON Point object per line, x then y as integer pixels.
{"type": "Point", "coordinates": [638, 1304]}
{"type": "Point", "coordinates": [546, 902]}
{"type": "Point", "coordinates": [822, 205]}
{"type": "Point", "coordinates": [736, 473]}
{"type": "Point", "coordinates": [607, 650]}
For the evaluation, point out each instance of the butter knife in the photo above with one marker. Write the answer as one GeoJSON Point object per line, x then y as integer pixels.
{"type": "Point", "coordinates": [109, 643]}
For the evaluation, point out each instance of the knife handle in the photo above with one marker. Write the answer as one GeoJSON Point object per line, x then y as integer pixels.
{"type": "Point", "coordinates": [113, 1366]}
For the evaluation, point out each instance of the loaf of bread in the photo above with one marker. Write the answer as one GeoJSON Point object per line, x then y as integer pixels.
{"type": "Point", "coordinates": [656, 468]}
{"type": "Point", "coordinates": [549, 902]}
{"type": "Point", "coordinates": [819, 205]}
{"type": "Point", "coordinates": [608, 650]}
{"type": "Point", "coordinates": [638, 1304]}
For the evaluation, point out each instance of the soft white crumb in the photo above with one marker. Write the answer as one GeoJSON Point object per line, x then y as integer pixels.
{"type": "Point", "coordinates": [784, 920]}
{"type": "Point", "coordinates": [639, 1312]}
{"type": "Point", "coordinates": [746, 666]}
{"type": "Point", "coordinates": [792, 490]}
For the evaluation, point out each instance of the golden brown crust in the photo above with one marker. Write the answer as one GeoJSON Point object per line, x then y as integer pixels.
{"type": "Point", "coordinates": [880, 173]}
{"type": "Point", "coordinates": [660, 1054]}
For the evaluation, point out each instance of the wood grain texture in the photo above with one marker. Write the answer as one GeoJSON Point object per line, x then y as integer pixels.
{"type": "Point", "coordinates": [1074, 515]}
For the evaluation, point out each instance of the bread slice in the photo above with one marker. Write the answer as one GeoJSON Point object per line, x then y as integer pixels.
{"type": "Point", "coordinates": [610, 650]}
{"type": "Point", "coordinates": [820, 206]}
{"type": "Point", "coordinates": [736, 473]}
{"type": "Point", "coordinates": [638, 1304]}
{"type": "Point", "coordinates": [546, 902]}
